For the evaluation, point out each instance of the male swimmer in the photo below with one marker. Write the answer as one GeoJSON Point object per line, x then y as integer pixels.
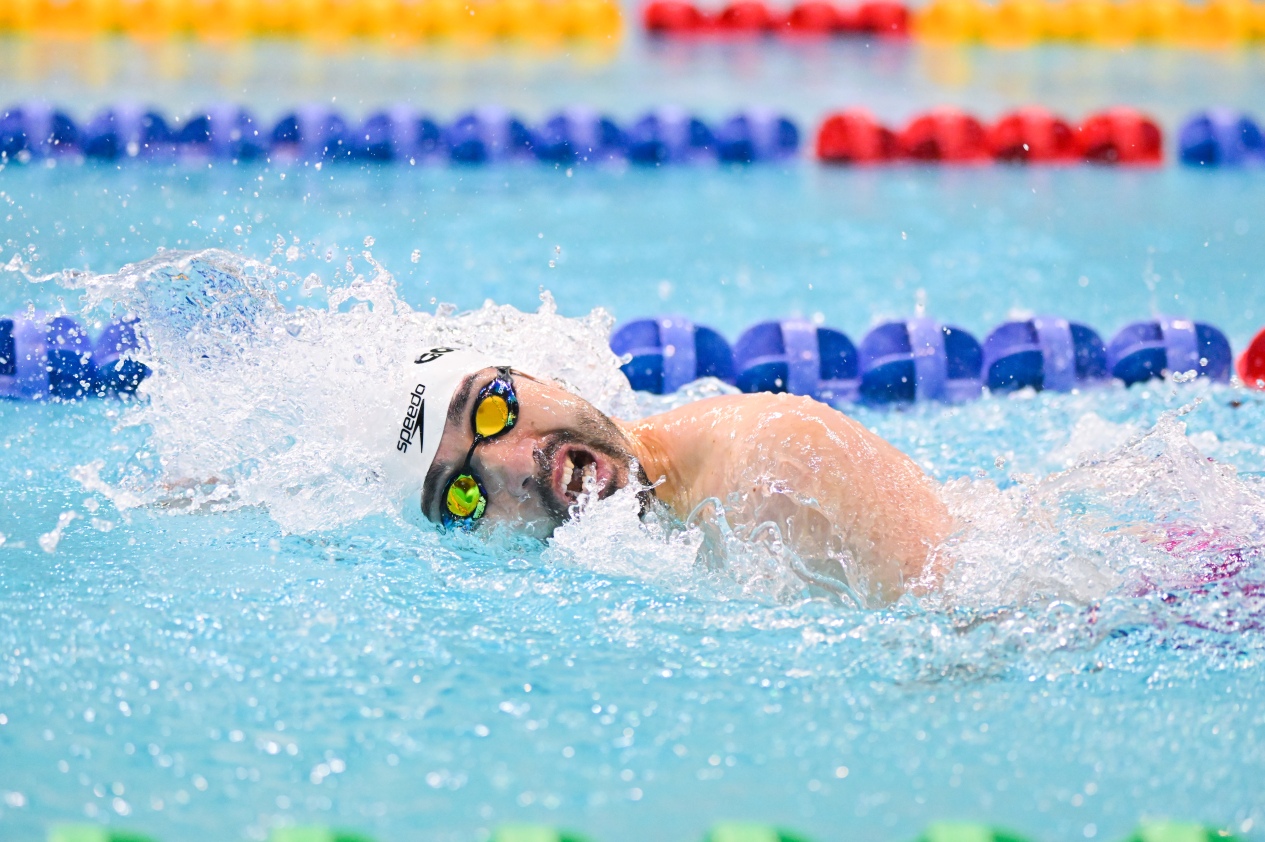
{"type": "Point", "coordinates": [477, 444]}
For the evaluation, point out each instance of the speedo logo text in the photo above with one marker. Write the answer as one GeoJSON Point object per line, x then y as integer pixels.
{"type": "Point", "coordinates": [414, 420]}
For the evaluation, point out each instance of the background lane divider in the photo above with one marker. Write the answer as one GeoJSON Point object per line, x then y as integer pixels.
{"type": "Point", "coordinates": [316, 133]}
{"type": "Point", "coordinates": [921, 359]}
{"type": "Point", "coordinates": [46, 357]}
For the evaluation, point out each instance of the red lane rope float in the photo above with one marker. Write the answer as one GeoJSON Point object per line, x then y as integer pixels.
{"type": "Point", "coordinates": [854, 137]}
{"type": "Point", "coordinates": [945, 134]}
{"type": "Point", "coordinates": [883, 18]}
{"type": "Point", "coordinates": [1120, 136]}
{"type": "Point", "coordinates": [1251, 366]}
{"type": "Point", "coordinates": [1034, 135]}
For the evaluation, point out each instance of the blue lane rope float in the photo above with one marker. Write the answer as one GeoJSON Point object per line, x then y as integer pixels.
{"type": "Point", "coordinates": [670, 136]}
{"type": "Point", "coordinates": [399, 134]}
{"type": "Point", "coordinates": [225, 132]}
{"type": "Point", "coordinates": [36, 130]}
{"type": "Point", "coordinates": [488, 135]}
{"type": "Point", "coordinates": [1221, 137]}
{"type": "Point", "coordinates": [757, 135]}
{"type": "Point", "coordinates": [1169, 345]}
{"type": "Point", "coordinates": [317, 133]}
{"type": "Point", "coordinates": [920, 359]}
{"type": "Point", "coordinates": [126, 132]}
{"type": "Point", "coordinates": [312, 133]}
{"type": "Point", "coordinates": [799, 357]}
{"type": "Point", "coordinates": [1044, 353]}
{"type": "Point", "coordinates": [44, 357]}
{"type": "Point", "coordinates": [579, 134]}
{"type": "Point", "coordinates": [1162, 831]}
{"type": "Point", "coordinates": [668, 352]}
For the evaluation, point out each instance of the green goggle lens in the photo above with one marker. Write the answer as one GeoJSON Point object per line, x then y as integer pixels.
{"type": "Point", "coordinates": [465, 498]}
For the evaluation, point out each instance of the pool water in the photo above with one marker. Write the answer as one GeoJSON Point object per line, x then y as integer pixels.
{"type": "Point", "coordinates": [192, 665]}
{"type": "Point", "coordinates": [1106, 247]}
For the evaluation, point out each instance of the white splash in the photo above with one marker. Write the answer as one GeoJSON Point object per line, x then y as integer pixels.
{"type": "Point", "coordinates": [1152, 513]}
{"type": "Point", "coordinates": [609, 537]}
{"type": "Point", "coordinates": [252, 404]}
{"type": "Point", "coordinates": [49, 540]}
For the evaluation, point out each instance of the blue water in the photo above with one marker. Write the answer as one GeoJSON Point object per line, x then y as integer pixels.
{"type": "Point", "coordinates": [1102, 246]}
{"type": "Point", "coordinates": [214, 673]}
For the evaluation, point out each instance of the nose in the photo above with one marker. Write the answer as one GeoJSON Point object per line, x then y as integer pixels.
{"type": "Point", "coordinates": [506, 463]}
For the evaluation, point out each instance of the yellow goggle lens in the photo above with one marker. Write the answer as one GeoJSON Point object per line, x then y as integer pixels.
{"type": "Point", "coordinates": [464, 497]}
{"type": "Point", "coordinates": [491, 416]}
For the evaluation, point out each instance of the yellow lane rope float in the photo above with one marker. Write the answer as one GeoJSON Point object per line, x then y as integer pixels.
{"type": "Point", "coordinates": [546, 22]}
{"type": "Point", "coordinates": [1019, 23]}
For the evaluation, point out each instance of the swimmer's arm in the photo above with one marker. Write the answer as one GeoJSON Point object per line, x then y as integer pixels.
{"type": "Point", "coordinates": [774, 450]}
{"type": "Point", "coordinates": [887, 510]}
{"type": "Point", "coordinates": [179, 492]}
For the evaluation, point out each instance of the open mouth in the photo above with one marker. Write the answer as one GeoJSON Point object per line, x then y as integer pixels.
{"type": "Point", "coordinates": [579, 471]}
{"type": "Point", "coordinates": [582, 470]}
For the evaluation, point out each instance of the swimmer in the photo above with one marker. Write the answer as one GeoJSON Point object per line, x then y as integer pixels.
{"type": "Point", "coordinates": [518, 451]}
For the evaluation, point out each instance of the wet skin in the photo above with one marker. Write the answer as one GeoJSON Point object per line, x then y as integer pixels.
{"type": "Point", "coordinates": [835, 490]}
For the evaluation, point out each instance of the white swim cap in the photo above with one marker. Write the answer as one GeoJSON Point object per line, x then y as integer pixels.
{"type": "Point", "coordinates": [428, 381]}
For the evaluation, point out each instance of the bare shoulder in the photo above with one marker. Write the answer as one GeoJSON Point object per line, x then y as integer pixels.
{"type": "Point", "coordinates": [762, 408]}
{"type": "Point", "coordinates": [780, 416]}
{"type": "Point", "coordinates": [755, 428]}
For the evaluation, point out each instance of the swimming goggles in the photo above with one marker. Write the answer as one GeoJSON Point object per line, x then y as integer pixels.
{"type": "Point", "coordinates": [495, 413]}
